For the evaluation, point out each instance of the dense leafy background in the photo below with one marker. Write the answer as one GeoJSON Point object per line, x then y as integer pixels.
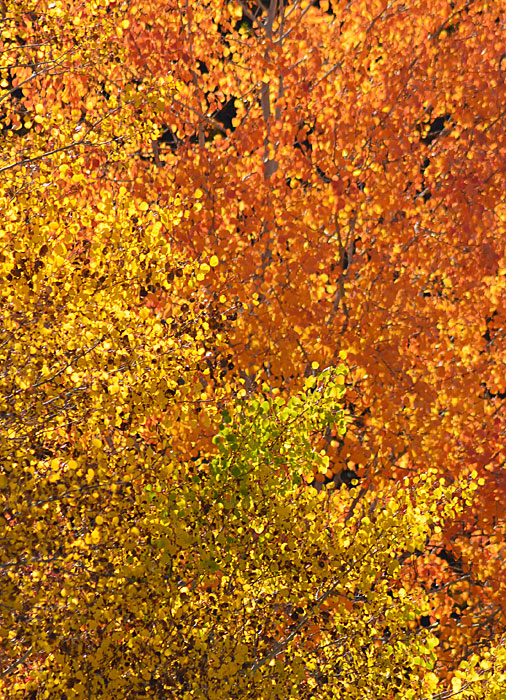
{"type": "Point", "coordinates": [252, 352]}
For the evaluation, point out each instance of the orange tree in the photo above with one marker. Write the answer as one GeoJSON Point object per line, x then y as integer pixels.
{"type": "Point", "coordinates": [347, 161]}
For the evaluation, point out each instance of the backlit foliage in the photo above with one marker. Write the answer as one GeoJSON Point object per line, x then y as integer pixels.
{"type": "Point", "coordinates": [350, 157]}
{"type": "Point", "coordinates": [203, 203]}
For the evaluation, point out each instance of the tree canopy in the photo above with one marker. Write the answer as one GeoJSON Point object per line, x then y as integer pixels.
{"type": "Point", "coordinates": [252, 349]}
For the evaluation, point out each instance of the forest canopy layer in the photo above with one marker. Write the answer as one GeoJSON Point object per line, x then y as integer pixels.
{"type": "Point", "coordinates": [252, 349]}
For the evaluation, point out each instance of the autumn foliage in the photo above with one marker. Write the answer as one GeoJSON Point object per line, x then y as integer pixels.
{"type": "Point", "coordinates": [252, 349]}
